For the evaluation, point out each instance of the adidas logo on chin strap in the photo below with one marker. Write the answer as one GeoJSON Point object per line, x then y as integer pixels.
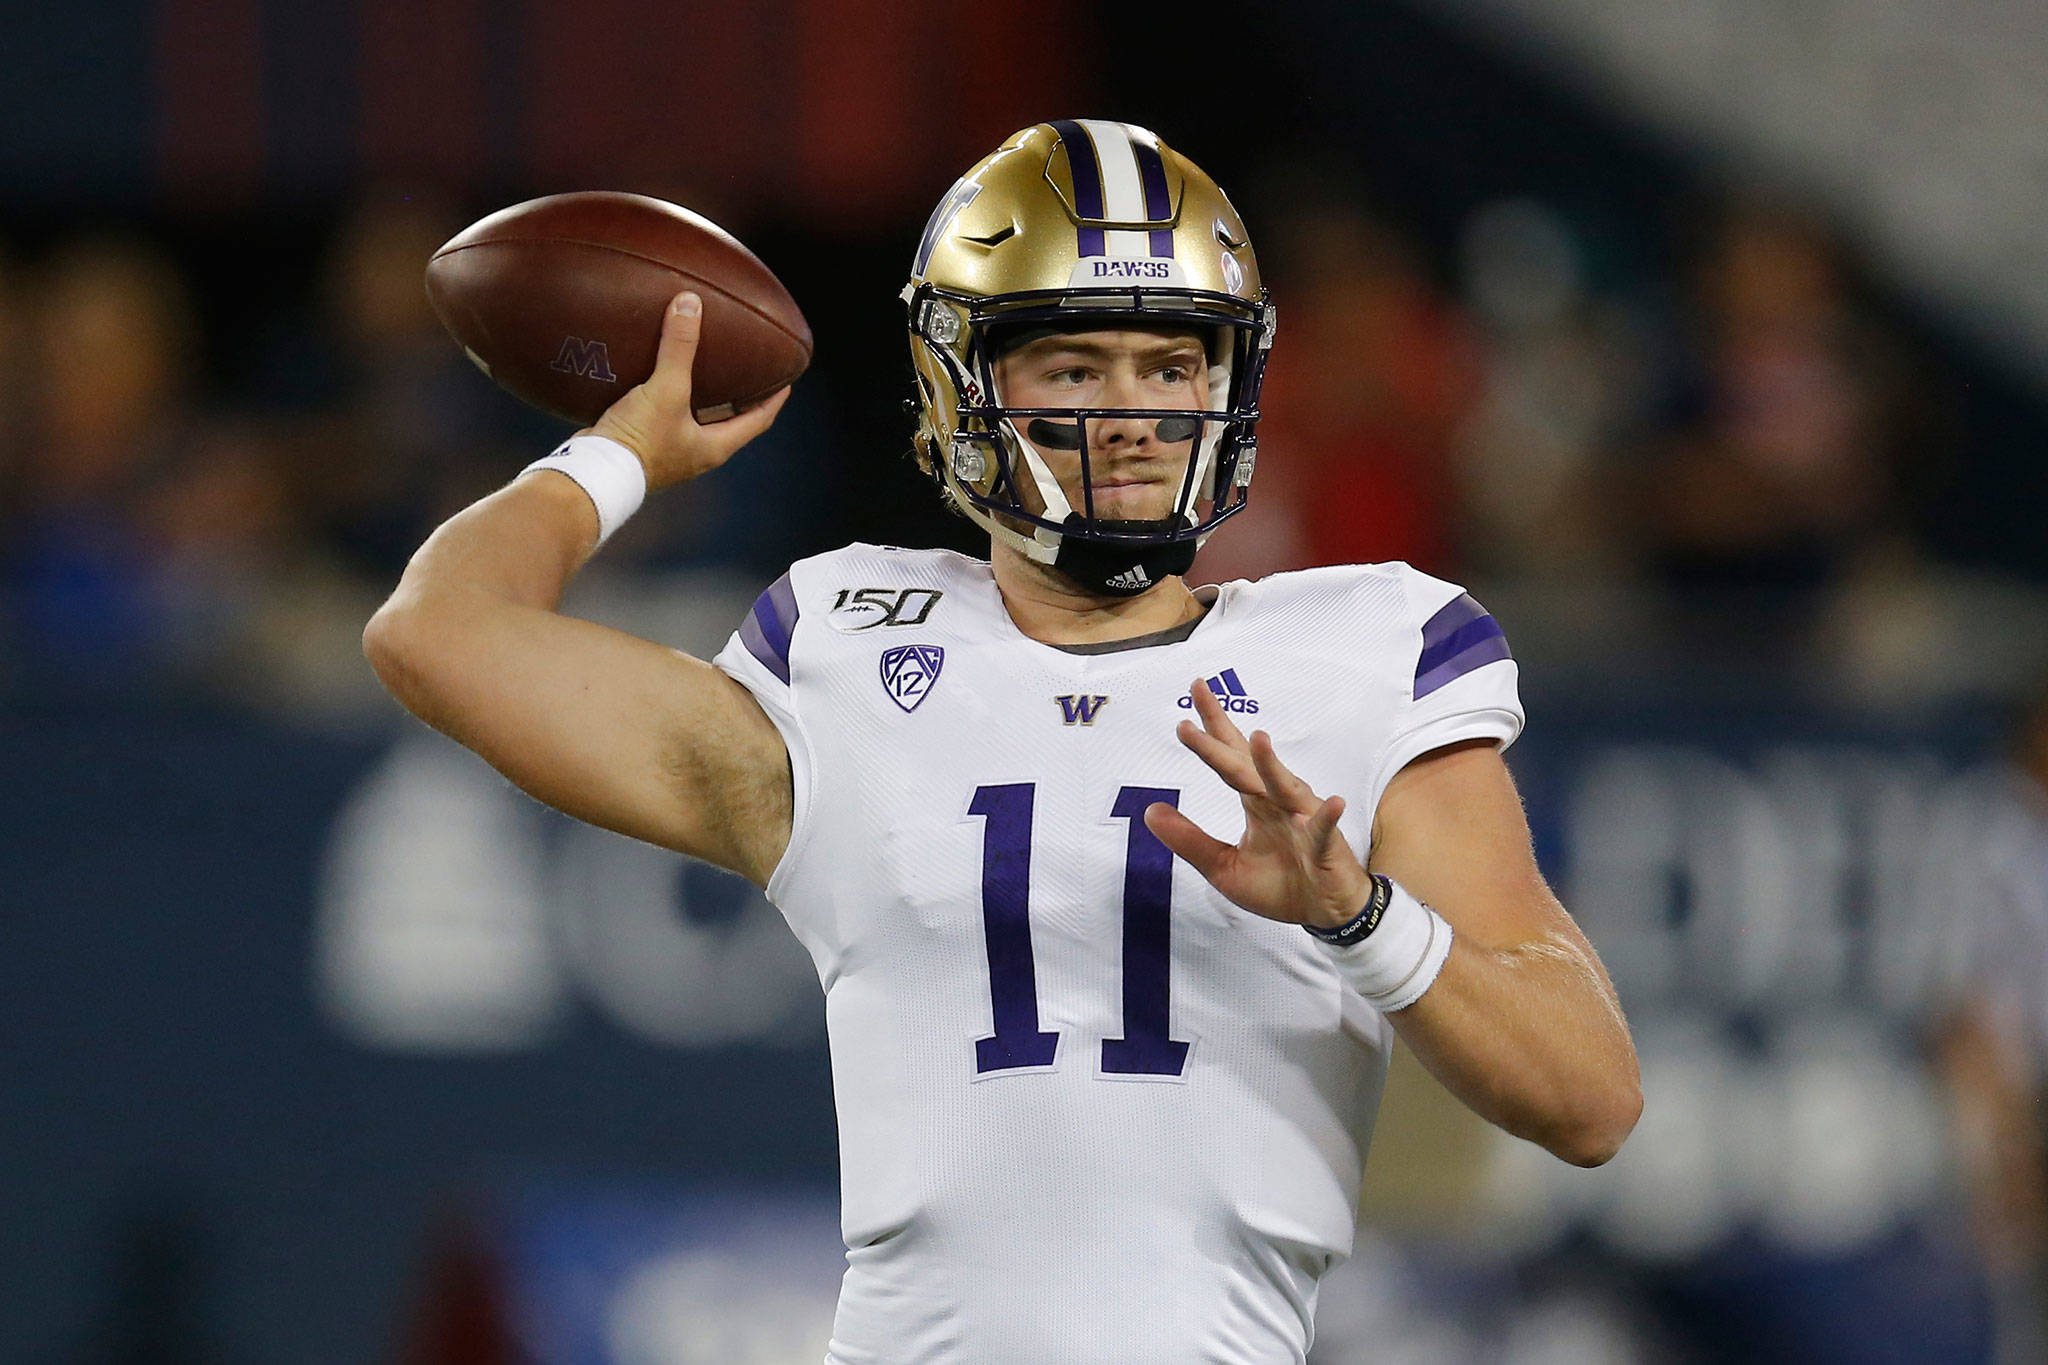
{"type": "Point", "coordinates": [1133, 577]}
{"type": "Point", "coordinates": [1230, 691]}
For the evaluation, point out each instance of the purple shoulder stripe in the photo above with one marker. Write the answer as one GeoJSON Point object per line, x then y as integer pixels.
{"type": "Point", "coordinates": [1458, 639]}
{"type": "Point", "coordinates": [768, 626]}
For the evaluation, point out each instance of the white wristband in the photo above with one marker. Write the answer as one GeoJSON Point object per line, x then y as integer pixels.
{"type": "Point", "coordinates": [611, 474]}
{"type": "Point", "coordinates": [1394, 964]}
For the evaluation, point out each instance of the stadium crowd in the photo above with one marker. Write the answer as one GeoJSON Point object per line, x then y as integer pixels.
{"type": "Point", "coordinates": [1732, 430]}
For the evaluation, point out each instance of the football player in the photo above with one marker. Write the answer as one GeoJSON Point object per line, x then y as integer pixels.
{"type": "Point", "coordinates": [1119, 890]}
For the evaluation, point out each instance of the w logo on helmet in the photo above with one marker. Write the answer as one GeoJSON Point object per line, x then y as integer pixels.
{"type": "Point", "coordinates": [590, 359]}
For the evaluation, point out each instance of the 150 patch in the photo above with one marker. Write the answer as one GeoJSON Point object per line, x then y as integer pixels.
{"type": "Point", "coordinates": [858, 609]}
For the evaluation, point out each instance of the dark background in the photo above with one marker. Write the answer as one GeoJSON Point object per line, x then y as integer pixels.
{"type": "Point", "coordinates": [1761, 519]}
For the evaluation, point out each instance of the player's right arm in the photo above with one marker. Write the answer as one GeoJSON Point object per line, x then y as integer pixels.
{"type": "Point", "coordinates": [601, 725]}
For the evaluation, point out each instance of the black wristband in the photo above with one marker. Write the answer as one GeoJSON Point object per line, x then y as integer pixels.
{"type": "Point", "coordinates": [1365, 921]}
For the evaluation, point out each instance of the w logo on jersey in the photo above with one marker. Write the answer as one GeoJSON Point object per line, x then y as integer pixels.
{"type": "Point", "coordinates": [1229, 691]}
{"type": "Point", "coordinates": [908, 672]}
{"type": "Point", "coordinates": [591, 359]}
{"type": "Point", "coordinates": [1081, 710]}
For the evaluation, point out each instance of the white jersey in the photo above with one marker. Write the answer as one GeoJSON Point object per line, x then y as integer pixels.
{"type": "Point", "coordinates": [1089, 1110]}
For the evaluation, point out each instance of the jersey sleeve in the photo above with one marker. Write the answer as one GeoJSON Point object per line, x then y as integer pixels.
{"type": "Point", "coordinates": [764, 657]}
{"type": "Point", "coordinates": [1461, 679]}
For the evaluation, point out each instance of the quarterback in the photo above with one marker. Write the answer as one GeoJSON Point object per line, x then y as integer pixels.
{"type": "Point", "coordinates": [1118, 889]}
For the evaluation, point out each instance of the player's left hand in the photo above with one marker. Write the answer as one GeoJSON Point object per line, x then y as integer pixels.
{"type": "Point", "coordinates": [1291, 865]}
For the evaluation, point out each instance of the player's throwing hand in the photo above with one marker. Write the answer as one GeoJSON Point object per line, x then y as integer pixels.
{"type": "Point", "coordinates": [1291, 865]}
{"type": "Point", "coordinates": [654, 420]}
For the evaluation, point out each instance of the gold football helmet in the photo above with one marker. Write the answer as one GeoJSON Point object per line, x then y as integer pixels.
{"type": "Point", "coordinates": [1073, 225]}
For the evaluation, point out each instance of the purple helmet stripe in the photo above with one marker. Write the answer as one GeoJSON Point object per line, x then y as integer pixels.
{"type": "Point", "coordinates": [1158, 205]}
{"type": "Point", "coordinates": [1458, 639]}
{"type": "Point", "coordinates": [767, 629]}
{"type": "Point", "coordinates": [1087, 181]}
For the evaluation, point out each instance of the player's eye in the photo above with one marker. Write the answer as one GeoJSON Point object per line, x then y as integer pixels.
{"type": "Point", "coordinates": [1174, 374]}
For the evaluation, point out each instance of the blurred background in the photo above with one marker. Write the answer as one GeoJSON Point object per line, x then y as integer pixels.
{"type": "Point", "coordinates": [1707, 342]}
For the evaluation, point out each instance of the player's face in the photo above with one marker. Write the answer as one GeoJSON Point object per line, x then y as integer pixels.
{"type": "Point", "coordinates": [1135, 474]}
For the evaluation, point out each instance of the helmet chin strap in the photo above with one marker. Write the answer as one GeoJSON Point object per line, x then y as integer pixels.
{"type": "Point", "coordinates": [1118, 571]}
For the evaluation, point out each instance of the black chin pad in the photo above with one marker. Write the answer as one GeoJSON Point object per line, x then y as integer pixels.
{"type": "Point", "coordinates": [1058, 435]}
{"type": "Point", "coordinates": [1121, 570]}
{"type": "Point", "coordinates": [1174, 430]}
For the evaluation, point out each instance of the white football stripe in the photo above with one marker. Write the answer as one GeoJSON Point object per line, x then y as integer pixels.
{"type": "Point", "coordinates": [1123, 194]}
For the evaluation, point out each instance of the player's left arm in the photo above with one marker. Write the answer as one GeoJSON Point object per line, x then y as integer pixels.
{"type": "Point", "coordinates": [1521, 1023]}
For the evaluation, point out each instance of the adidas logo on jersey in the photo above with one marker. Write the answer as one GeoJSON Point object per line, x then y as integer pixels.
{"type": "Point", "coordinates": [1230, 691]}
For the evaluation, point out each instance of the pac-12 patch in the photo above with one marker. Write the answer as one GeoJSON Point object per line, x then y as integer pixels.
{"type": "Point", "coordinates": [908, 672]}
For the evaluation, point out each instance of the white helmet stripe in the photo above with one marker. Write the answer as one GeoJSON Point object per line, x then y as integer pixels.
{"type": "Point", "coordinates": [1123, 193]}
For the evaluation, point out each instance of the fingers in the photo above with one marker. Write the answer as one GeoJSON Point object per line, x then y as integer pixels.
{"type": "Point", "coordinates": [1322, 827]}
{"type": "Point", "coordinates": [1186, 840]}
{"type": "Point", "coordinates": [1251, 767]}
{"type": "Point", "coordinates": [1214, 717]}
{"type": "Point", "coordinates": [736, 431]}
{"type": "Point", "coordinates": [1281, 785]}
{"type": "Point", "coordinates": [681, 328]}
{"type": "Point", "coordinates": [654, 420]}
{"type": "Point", "coordinates": [1234, 766]}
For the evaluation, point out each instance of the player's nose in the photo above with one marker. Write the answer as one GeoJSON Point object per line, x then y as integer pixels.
{"type": "Point", "coordinates": [1122, 391]}
{"type": "Point", "coordinates": [1120, 432]}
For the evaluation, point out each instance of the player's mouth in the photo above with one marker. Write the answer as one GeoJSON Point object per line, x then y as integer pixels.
{"type": "Point", "coordinates": [1127, 473]}
{"type": "Point", "coordinates": [1124, 485]}
{"type": "Point", "coordinates": [1130, 497]}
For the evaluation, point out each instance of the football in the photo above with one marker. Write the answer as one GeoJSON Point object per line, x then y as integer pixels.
{"type": "Point", "coordinates": [560, 301]}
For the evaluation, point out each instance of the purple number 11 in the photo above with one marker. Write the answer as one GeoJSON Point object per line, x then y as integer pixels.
{"type": "Point", "coordinates": [1145, 1049]}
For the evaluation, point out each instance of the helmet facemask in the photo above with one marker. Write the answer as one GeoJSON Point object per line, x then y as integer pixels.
{"type": "Point", "coordinates": [991, 462]}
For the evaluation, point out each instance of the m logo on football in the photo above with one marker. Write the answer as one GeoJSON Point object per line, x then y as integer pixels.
{"type": "Point", "coordinates": [908, 672]}
{"type": "Point", "coordinates": [590, 359]}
